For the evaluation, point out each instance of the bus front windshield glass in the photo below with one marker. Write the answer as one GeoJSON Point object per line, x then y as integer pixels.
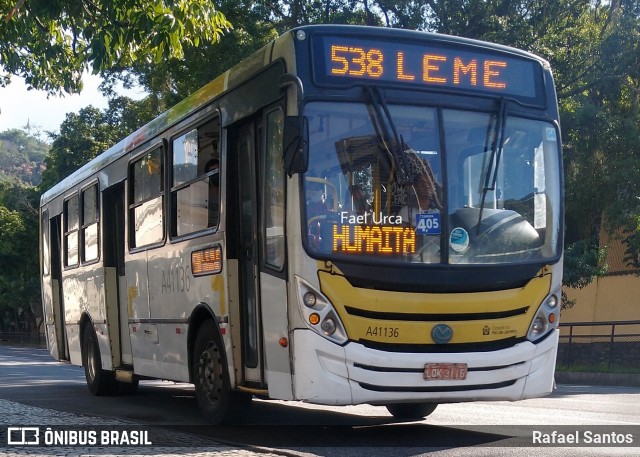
{"type": "Point", "coordinates": [379, 189]}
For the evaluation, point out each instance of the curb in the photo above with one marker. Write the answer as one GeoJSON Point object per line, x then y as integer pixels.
{"type": "Point", "coordinates": [602, 379]}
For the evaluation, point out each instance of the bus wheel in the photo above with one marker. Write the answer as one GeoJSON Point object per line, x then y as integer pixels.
{"type": "Point", "coordinates": [413, 411]}
{"type": "Point", "coordinates": [210, 374]}
{"type": "Point", "coordinates": [100, 382]}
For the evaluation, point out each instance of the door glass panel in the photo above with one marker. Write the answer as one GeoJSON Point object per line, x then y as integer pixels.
{"type": "Point", "coordinates": [248, 256]}
{"type": "Point", "coordinates": [274, 192]}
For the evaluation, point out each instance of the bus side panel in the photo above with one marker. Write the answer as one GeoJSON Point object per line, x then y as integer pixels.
{"type": "Point", "coordinates": [275, 326]}
{"type": "Point", "coordinates": [73, 296]}
{"type": "Point", "coordinates": [84, 293]}
{"type": "Point", "coordinates": [171, 300]}
{"type": "Point", "coordinates": [72, 334]}
{"type": "Point", "coordinates": [143, 333]}
{"type": "Point", "coordinates": [111, 304]}
{"type": "Point", "coordinates": [233, 339]}
{"type": "Point", "coordinates": [50, 290]}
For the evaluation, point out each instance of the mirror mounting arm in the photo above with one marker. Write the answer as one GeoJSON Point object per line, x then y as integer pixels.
{"type": "Point", "coordinates": [296, 131]}
{"type": "Point", "coordinates": [288, 80]}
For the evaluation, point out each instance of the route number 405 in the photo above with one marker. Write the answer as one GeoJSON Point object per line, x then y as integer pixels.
{"type": "Point", "coordinates": [355, 61]}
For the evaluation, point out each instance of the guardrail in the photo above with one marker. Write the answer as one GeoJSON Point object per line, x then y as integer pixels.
{"type": "Point", "coordinates": [609, 345]}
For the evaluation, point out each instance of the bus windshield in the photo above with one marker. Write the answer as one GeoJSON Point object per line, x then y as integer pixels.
{"type": "Point", "coordinates": [379, 187]}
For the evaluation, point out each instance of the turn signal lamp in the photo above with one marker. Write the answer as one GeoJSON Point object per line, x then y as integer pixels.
{"type": "Point", "coordinates": [206, 261]}
{"type": "Point", "coordinates": [314, 318]}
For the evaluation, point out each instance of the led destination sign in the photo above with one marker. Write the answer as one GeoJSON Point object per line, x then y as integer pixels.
{"type": "Point", "coordinates": [374, 239]}
{"type": "Point", "coordinates": [430, 64]}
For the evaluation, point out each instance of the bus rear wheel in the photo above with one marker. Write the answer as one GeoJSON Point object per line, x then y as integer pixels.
{"type": "Point", "coordinates": [210, 375]}
{"type": "Point", "coordinates": [100, 382]}
{"type": "Point", "coordinates": [411, 411]}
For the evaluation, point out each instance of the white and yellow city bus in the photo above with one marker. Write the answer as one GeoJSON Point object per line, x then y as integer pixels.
{"type": "Point", "coordinates": [351, 215]}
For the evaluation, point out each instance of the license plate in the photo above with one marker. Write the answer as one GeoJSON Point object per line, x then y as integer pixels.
{"type": "Point", "coordinates": [445, 371]}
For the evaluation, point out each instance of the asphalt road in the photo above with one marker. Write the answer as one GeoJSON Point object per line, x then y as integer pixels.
{"type": "Point", "coordinates": [30, 377]}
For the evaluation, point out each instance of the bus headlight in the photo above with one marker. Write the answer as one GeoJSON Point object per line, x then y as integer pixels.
{"type": "Point", "coordinates": [546, 318]}
{"type": "Point", "coordinates": [539, 326]}
{"type": "Point", "coordinates": [329, 326]}
{"type": "Point", "coordinates": [309, 299]}
{"type": "Point", "coordinates": [319, 314]}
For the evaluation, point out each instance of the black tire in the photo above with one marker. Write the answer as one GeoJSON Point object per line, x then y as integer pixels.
{"type": "Point", "coordinates": [411, 411]}
{"type": "Point", "coordinates": [100, 382]}
{"type": "Point", "coordinates": [210, 374]}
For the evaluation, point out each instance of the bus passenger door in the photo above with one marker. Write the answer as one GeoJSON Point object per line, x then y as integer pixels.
{"type": "Point", "coordinates": [54, 314]}
{"type": "Point", "coordinates": [247, 247]}
{"type": "Point", "coordinates": [115, 280]}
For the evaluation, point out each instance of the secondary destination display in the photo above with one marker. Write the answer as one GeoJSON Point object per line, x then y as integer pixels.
{"type": "Point", "coordinates": [355, 235]}
{"type": "Point", "coordinates": [431, 64]}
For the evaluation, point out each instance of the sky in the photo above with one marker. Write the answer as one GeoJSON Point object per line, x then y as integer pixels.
{"type": "Point", "coordinates": [19, 105]}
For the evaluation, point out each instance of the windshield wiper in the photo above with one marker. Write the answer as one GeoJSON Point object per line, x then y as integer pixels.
{"type": "Point", "coordinates": [386, 130]}
{"type": "Point", "coordinates": [494, 161]}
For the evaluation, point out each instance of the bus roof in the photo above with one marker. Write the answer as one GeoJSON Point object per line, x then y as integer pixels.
{"type": "Point", "coordinates": [363, 30]}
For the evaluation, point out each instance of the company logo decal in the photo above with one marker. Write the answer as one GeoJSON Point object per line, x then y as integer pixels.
{"type": "Point", "coordinates": [441, 333]}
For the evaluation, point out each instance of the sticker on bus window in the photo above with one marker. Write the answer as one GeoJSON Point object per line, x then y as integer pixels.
{"type": "Point", "coordinates": [551, 134]}
{"type": "Point", "coordinates": [428, 224]}
{"type": "Point", "coordinates": [459, 239]}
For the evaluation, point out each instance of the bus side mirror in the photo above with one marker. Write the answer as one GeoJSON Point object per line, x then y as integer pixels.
{"type": "Point", "coordinates": [296, 144]}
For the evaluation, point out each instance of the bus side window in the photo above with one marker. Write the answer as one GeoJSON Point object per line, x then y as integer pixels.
{"type": "Point", "coordinates": [146, 200]}
{"type": "Point", "coordinates": [71, 226]}
{"type": "Point", "coordinates": [195, 185]}
{"type": "Point", "coordinates": [90, 223]}
{"type": "Point", "coordinates": [209, 144]}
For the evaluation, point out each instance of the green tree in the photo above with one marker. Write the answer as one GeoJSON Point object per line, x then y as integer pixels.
{"type": "Point", "coordinates": [255, 24]}
{"type": "Point", "coordinates": [21, 156]}
{"type": "Point", "coordinates": [19, 278]}
{"type": "Point", "coordinates": [51, 43]}
{"type": "Point", "coordinates": [601, 120]}
{"type": "Point", "coordinates": [171, 80]}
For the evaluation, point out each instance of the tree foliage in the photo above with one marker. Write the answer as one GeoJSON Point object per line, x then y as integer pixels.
{"type": "Point", "coordinates": [51, 43]}
{"type": "Point", "coordinates": [21, 157]}
{"type": "Point", "coordinates": [19, 278]}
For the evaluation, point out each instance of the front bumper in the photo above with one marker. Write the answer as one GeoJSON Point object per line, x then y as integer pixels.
{"type": "Point", "coordinates": [326, 373]}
